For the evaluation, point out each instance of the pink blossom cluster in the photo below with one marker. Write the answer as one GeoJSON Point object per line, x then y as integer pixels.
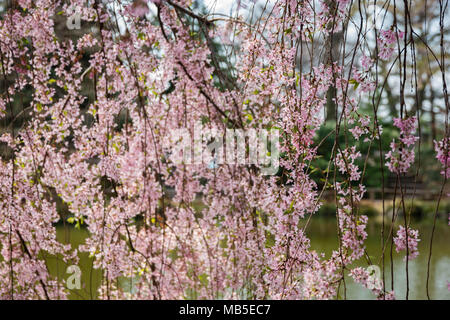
{"type": "Point", "coordinates": [413, 240]}
{"type": "Point", "coordinates": [361, 127]}
{"type": "Point", "coordinates": [442, 148]}
{"type": "Point", "coordinates": [362, 276]}
{"type": "Point", "coordinates": [345, 162]}
{"type": "Point", "coordinates": [386, 42]}
{"type": "Point", "coordinates": [332, 14]}
{"type": "Point", "coordinates": [401, 155]}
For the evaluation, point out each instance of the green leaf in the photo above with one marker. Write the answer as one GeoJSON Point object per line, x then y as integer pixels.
{"type": "Point", "coordinates": [270, 240]}
{"type": "Point", "coordinates": [173, 254]}
{"type": "Point", "coordinates": [204, 119]}
{"type": "Point", "coordinates": [354, 82]}
{"type": "Point", "coordinates": [141, 36]}
{"type": "Point", "coordinates": [203, 279]}
{"type": "Point", "coordinates": [224, 243]}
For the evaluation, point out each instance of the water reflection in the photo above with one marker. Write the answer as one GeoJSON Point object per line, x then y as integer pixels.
{"type": "Point", "coordinates": [322, 233]}
{"type": "Point", "coordinates": [323, 238]}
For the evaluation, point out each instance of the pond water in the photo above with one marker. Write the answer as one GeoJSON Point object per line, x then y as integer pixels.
{"type": "Point", "coordinates": [322, 233]}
